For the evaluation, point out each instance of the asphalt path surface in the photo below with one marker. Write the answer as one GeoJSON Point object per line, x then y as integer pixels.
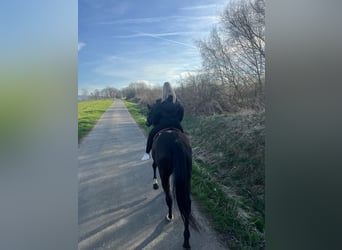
{"type": "Point", "coordinates": [117, 207]}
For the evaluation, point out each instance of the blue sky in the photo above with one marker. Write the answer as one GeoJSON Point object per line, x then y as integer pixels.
{"type": "Point", "coordinates": [124, 41]}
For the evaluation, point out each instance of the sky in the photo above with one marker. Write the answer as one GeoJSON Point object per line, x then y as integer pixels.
{"type": "Point", "coordinates": [151, 41]}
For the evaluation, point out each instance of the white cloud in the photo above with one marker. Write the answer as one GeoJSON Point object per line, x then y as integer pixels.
{"type": "Point", "coordinates": [169, 40]}
{"type": "Point", "coordinates": [168, 20]}
{"type": "Point", "coordinates": [139, 34]}
{"type": "Point", "coordinates": [160, 36]}
{"type": "Point", "coordinates": [206, 6]}
{"type": "Point", "coordinates": [136, 20]}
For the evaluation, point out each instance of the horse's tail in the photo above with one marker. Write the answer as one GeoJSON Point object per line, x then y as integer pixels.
{"type": "Point", "coordinates": [182, 165]}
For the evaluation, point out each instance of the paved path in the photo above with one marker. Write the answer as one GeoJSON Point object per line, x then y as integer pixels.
{"type": "Point", "coordinates": [117, 207]}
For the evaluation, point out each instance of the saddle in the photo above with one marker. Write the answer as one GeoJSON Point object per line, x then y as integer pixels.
{"type": "Point", "coordinates": [165, 130]}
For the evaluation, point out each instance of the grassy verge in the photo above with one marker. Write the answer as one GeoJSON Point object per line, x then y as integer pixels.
{"type": "Point", "coordinates": [229, 153]}
{"type": "Point", "coordinates": [139, 115]}
{"type": "Point", "coordinates": [222, 209]}
{"type": "Point", "coordinates": [228, 173]}
{"type": "Point", "coordinates": [89, 112]}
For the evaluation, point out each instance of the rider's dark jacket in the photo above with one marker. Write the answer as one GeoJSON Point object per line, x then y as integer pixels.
{"type": "Point", "coordinates": [165, 114]}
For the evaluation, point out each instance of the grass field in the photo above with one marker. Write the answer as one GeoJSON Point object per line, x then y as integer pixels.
{"type": "Point", "coordinates": [139, 114]}
{"type": "Point", "coordinates": [89, 112]}
{"type": "Point", "coordinates": [228, 173]}
{"type": "Point", "coordinates": [228, 177]}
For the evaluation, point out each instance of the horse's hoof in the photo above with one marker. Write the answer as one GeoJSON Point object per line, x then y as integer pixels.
{"type": "Point", "coordinates": [168, 218]}
{"type": "Point", "coordinates": [186, 247]}
{"type": "Point", "coordinates": [155, 183]}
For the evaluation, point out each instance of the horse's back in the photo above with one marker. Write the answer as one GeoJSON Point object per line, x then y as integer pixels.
{"type": "Point", "coordinates": [169, 140]}
{"type": "Point", "coordinates": [169, 144]}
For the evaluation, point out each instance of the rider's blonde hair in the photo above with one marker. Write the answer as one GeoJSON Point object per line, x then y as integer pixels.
{"type": "Point", "coordinates": [167, 91]}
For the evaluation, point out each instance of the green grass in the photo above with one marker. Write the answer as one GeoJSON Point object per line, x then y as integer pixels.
{"type": "Point", "coordinates": [223, 211]}
{"type": "Point", "coordinates": [139, 115]}
{"type": "Point", "coordinates": [89, 112]}
{"type": "Point", "coordinates": [228, 173]}
{"type": "Point", "coordinates": [228, 152]}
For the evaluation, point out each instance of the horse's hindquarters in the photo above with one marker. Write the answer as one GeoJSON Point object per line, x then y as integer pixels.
{"type": "Point", "coordinates": [172, 154]}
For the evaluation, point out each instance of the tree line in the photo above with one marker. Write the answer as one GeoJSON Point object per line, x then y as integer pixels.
{"type": "Point", "coordinates": [232, 77]}
{"type": "Point", "coordinates": [108, 92]}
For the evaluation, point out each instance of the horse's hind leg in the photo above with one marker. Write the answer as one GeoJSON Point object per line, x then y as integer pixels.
{"type": "Point", "coordinates": [186, 234]}
{"type": "Point", "coordinates": [168, 197]}
{"type": "Point", "coordinates": [155, 182]}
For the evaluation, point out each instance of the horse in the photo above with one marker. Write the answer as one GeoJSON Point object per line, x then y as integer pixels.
{"type": "Point", "coordinates": [172, 154]}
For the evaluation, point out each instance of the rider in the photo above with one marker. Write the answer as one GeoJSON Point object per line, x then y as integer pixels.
{"type": "Point", "coordinates": [167, 113]}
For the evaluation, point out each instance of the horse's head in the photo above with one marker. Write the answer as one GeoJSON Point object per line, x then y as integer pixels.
{"type": "Point", "coordinates": [149, 120]}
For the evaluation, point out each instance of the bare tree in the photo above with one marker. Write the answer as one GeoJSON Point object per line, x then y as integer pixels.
{"type": "Point", "coordinates": [234, 53]}
{"type": "Point", "coordinates": [150, 95]}
{"type": "Point", "coordinates": [200, 95]}
{"type": "Point", "coordinates": [109, 92]}
{"type": "Point", "coordinates": [244, 23]}
{"type": "Point", "coordinates": [95, 94]}
{"type": "Point", "coordinates": [85, 94]}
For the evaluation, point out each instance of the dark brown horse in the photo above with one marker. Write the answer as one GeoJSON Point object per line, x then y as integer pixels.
{"type": "Point", "coordinates": [172, 154]}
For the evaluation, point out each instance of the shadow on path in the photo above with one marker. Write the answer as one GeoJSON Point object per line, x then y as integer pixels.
{"type": "Point", "coordinates": [157, 231]}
